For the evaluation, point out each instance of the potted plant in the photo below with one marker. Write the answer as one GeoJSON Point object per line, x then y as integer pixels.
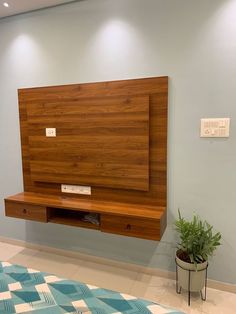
{"type": "Point", "coordinates": [197, 243]}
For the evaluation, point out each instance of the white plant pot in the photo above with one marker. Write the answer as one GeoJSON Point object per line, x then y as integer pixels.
{"type": "Point", "coordinates": [196, 281]}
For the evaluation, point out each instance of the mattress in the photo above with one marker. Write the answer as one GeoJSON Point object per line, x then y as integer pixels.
{"type": "Point", "coordinates": [25, 290]}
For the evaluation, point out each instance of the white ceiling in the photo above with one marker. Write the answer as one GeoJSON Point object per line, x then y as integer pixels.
{"type": "Point", "coordinates": [21, 6]}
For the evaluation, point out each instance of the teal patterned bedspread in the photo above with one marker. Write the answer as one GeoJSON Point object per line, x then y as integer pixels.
{"type": "Point", "coordinates": [25, 290]}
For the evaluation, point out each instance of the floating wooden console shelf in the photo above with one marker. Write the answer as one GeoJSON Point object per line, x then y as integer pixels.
{"type": "Point", "coordinates": [140, 221]}
{"type": "Point", "coordinates": [111, 136]}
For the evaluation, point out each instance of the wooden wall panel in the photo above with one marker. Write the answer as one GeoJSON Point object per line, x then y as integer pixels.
{"type": "Point", "coordinates": [99, 142]}
{"type": "Point", "coordinates": [41, 100]}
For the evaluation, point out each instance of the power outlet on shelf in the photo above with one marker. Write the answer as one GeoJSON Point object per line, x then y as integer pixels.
{"type": "Point", "coordinates": [76, 189]}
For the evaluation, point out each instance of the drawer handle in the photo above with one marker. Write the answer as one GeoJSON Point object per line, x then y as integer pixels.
{"type": "Point", "coordinates": [24, 211]}
{"type": "Point", "coordinates": [128, 227]}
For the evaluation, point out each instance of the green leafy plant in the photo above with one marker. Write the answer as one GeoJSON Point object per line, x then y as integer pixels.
{"type": "Point", "coordinates": [197, 240]}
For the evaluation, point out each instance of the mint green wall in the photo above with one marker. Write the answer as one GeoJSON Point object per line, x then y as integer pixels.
{"type": "Point", "coordinates": [193, 42]}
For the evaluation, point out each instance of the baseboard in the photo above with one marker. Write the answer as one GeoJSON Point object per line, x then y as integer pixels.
{"type": "Point", "coordinates": [109, 262]}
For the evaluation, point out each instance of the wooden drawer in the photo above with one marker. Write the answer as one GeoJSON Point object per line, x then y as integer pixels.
{"type": "Point", "coordinates": [133, 227]}
{"type": "Point", "coordinates": [25, 211]}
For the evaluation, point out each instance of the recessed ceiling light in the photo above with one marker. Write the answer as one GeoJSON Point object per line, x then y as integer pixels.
{"type": "Point", "coordinates": [6, 4]}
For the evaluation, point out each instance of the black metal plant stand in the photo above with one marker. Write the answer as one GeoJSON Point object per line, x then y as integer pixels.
{"type": "Point", "coordinates": [178, 289]}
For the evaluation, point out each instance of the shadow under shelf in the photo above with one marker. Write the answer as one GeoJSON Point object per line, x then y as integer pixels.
{"type": "Point", "coordinates": [75, 218]}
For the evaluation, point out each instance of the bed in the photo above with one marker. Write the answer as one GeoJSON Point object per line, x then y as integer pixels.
{"type": "Point", "coordinates": [25, 290]}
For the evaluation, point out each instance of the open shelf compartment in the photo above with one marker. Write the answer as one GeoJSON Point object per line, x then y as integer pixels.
{"type": "Point", "coordinates": [73, 218]}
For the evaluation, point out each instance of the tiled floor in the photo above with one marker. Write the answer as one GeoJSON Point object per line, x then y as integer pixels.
{"type": "Point", "coordinates": [145, 286]}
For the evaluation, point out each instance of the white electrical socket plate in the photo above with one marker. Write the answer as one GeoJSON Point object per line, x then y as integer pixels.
{"type": "Point", "coordinates": [76, 189]}
{"type": "Point", "coordinates": [51, 132]}
{"type": "Point", "coordinates": [215, 127]}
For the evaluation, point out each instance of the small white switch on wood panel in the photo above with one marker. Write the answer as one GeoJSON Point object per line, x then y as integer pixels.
{"type": "Point", "coordinates": [215, 127]}
{"type": "Point", "coordinates": [51, 132]}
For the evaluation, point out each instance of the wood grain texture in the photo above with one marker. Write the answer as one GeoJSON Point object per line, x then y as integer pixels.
{"type": "Point", "coordinates": [141, 221]}
{"type": "Point", "coordinates": [25, 211]}
{"type": "Point", "coordinates": [100, 142]}
{"type": "Point", "coordinates": [135, 227]}
{"type": "Point", "coordinates": [155, 88]}
{"type": "Point", "coordinates": [97, 206]}
{"type": "Point", "coordinates": [110, 135]}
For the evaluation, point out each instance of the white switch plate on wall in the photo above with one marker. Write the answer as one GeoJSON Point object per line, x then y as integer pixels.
{"type": "Point", "coordinates": [51, 132]}
{"type": "Point", "coordinates": [76, 189]}
{"type": "Point", "coordinates": [215, 127]}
